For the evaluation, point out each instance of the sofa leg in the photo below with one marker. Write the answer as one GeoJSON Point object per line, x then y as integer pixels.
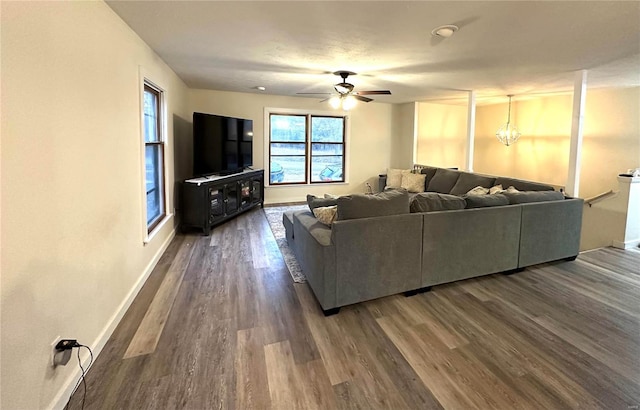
{"type": "Point", "coordinates": [512, 271]}
{"type": "Point", "coordinates": [330, 312]}
{"type": "Point", "coordinates": [571, 258]}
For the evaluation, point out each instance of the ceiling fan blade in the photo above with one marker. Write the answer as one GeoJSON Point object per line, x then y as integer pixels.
{"type": "Point", "coordinates": [313, 93]}
{"type": "Point", "coordinates": [376, 92]}
{"type": "Point", "coordinates": [361, 98]}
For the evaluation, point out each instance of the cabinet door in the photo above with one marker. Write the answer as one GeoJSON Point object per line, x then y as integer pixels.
{"type": "Point", "coordinates": [231, 195]}
{"type": "Point", "coordinates": [256, 190]}
{"type": "Point", "coordinates": [245, 193]}
{"type": "Point", "coordinates": [216, 203]}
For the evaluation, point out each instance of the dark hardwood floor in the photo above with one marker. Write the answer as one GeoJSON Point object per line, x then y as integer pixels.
{"type": "Point", "coordinates": [220, 325]}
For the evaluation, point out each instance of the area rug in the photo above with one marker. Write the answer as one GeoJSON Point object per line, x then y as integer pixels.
{"type": "Point", "coordinates": [274, 217]}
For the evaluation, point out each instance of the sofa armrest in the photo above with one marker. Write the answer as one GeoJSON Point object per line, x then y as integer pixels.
{"type": "Point", "coordinates": [376, 257]}
{"type": "Point", "coordinates": [550, 231]}
{"type": "Point", "coordinates": [382, 182]}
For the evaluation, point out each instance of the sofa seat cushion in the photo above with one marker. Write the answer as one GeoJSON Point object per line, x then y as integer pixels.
{"type": "Point", "coordinates": [316, 202]}
{"type": "Point", "coordinates": [532, 196]}
{"type": "Point", "coordinates": [390, 202]}
{"type": "Point", "coordinates": [432, 201]}
{"type": "Point", "coordinates": [443, 181]}
{"type": "Point", "coordinates": [521, 185]}
{"type": "Point", "coordinates": [483, 201]}
{"type": "Point", "coordinates": [320, 232]}
{"type": "Point", "coordinates": [468, 181]}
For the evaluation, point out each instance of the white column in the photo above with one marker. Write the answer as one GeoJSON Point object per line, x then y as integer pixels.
{"type": "Point", "coordinates": [471, 130]}
{"type": "Point", "coordinates": [416, 125]}
{"type": "Point", "coordinates": [575, 147]}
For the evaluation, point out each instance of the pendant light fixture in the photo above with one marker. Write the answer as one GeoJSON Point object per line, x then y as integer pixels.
{"type": "Point", "coordinates": [508, 134]}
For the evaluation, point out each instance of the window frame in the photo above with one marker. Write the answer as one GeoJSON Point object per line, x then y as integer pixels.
{"type": "Point", "coordinates": [308, 114]}
{"type": "Point", "coordinates": [151, 228]}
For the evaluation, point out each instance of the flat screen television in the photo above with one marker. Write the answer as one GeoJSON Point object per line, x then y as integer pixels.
{"type": "Point", "coordinates": [221, 145]}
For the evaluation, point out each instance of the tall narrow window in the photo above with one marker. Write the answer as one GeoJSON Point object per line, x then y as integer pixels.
{"type": "Point", "coordinates": [305, 148]}
{"type": "Point", "coordinates": [153, 156]}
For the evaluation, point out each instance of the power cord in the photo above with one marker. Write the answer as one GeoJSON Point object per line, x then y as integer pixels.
{"type": "Point", "coordinates": [82, 377]}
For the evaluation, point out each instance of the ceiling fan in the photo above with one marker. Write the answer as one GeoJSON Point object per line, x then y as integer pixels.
{"type": "Point", "coordinates": [346, 97]}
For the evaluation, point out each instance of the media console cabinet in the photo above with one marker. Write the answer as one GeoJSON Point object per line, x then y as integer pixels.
{"type": "Point", "coordinates": [209, 201]}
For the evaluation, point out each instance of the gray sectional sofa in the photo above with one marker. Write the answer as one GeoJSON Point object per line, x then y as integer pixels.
{"type": "Point", "coordinates": [357, 259]}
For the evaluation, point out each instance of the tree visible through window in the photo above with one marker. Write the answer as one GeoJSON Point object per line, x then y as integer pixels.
{"type": "Point", "coordinates": [306, 149]}
{"type": "Point", "coordinates": [154, 156]}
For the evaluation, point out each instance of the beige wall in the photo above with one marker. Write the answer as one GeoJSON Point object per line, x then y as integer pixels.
{"type": "Point", "coordinates": [611, 141]}
{"type": "Point", "coordinates": [611, 138]}
{"type": "Point", "coordinates": [404, 121]}
{"type": "Point", "coordinates": [72, 201]}
{"type": "Point", "coordinates": [442, 131]}
{"type": "Point", "coordinates": [368, 146]}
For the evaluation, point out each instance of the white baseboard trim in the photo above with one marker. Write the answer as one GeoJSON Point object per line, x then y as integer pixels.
{"type": "Point", "coordinates": [61, 399]}
{"type": "Point", "coordinates": [626, 244]}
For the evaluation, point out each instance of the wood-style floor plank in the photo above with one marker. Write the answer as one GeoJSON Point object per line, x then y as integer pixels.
{"type": "Point", "coordinates": [232, 331]}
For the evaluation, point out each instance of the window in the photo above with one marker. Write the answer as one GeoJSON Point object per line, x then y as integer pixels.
{"type": "Point", "coordinates": [153, 155]}
{"type": "Point", "coordinates": [305, 148]}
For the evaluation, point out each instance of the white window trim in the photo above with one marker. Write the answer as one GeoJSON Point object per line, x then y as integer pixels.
{"type": "Point", "coordinates": [347, 141]}
{"type": "Point", "coordinates": [144, 78]}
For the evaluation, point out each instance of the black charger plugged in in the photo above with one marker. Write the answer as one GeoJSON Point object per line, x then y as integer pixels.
{"type": "Point", "coordinates": [67, 344]}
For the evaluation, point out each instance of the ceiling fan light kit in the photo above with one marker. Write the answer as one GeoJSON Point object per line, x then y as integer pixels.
{"type": "Point", "coordinates": [508, 133]}
{"type": "Point", "coordinates": [347, 98]}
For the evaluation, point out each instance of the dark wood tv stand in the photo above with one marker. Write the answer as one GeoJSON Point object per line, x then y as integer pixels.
{"type": "Point", "coordinates": [209, 201]}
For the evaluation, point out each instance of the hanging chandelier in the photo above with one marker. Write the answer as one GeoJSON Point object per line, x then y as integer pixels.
{"type": "Point", "coordinates": [508, 134]}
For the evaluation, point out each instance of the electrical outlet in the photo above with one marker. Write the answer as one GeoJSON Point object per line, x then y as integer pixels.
{"type": "Point", "coordinates": [54, 351]}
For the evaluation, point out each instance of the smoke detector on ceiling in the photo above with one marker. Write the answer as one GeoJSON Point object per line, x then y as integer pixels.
{"type": "Point", "coordinates": [444, 31]}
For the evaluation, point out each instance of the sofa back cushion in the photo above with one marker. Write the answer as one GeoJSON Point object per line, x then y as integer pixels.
{"type": "Point", "coordinates": [521, 185]}
{"type": "Point", "coordinates": [391, 202]}
{"type": "Point", "coordinates": [468, 181]}
{"type": "Point", "coordinates": [532, 196]}
{"type": "Point", "coordinates": [428, 172]}
{"type": "Point", "coordinates": [484, 201]}
{"type": "Point", "coordinates": [433, 201]}
{"type": "Point", "coordinates": [316, 202]}
{"type": "Point", "coordinates": [443, 181]}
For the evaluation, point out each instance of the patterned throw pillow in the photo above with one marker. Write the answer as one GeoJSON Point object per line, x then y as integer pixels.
{"type": "Point", "coordinates": [326, 214]}
{"type": "Point", "coordinates": [394, 177]}
{"type": "Point", "coordinates": [478, 191]}
{"type": "Point", "coordinates": [495, 190]}
{"type": "Point", "coordinates": [413, 182]}
{"type": "Point", "coordinates": [512, 189]}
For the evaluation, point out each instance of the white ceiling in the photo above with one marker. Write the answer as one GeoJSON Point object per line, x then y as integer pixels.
{"type": "Point", "coordinates": [502, 47]}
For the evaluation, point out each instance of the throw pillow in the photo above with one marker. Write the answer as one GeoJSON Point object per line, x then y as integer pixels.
{"type": "Point", "coordinates": [478, 191]}
{"type": "Point", "coordinates": [443, 180]}
{"type": "Point", "coordinates": [467, 181]}
{"type": "Point", "coordinates": [391, 202]}
{"type": "Point", "coordinates": [394, 177]}
{"type": "Point", "coordinates": [511, 190]}
{"type": "Point", "coordinates": [326, 214]}
{"type": "Point", "coordinates": [315, 202]}
{"type": "Point", "coordinates": [331, 196]}
{"type": "Point", "coordinates": [432, 201]}
{"type": "Point", "coordinates": [413, 182]}
{"type": "Point", "coordinates": [483, 201]}
{"type": "Point", "coordinates": [497, 189]}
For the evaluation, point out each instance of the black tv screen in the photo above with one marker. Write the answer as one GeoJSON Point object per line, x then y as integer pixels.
{"type": "Point", "coordinates": [221, 145]}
